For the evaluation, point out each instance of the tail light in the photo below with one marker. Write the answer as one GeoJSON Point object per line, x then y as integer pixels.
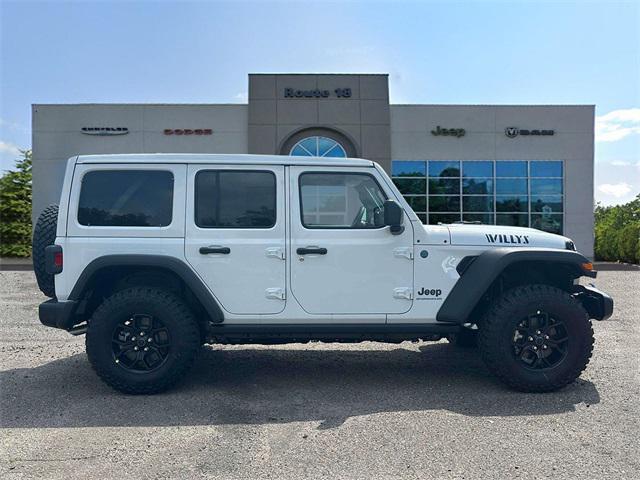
{"type": "Point", "coordinates": [54, 259]}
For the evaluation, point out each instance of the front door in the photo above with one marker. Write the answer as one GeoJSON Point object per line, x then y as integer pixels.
{"type": "Point", "coordinates": [343, 259]}
{"type": "Point", "coordinates": [235, 237]}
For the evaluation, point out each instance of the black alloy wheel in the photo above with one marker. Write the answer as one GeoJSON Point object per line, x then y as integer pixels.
{"type": "Point", "coordinates": [141, 343]}
{"type": "Point", "coordinates": [540, 341]}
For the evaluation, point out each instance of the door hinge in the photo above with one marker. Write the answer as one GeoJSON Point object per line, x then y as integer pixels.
{"type": "Point", "coordinates": [405, 293]}
{"type": "Point", "coordinates": [275, 293]}
{"type": "Point", "coordinates": [406, 252]}
{"type": "Point", "coordinates": [275, 252]}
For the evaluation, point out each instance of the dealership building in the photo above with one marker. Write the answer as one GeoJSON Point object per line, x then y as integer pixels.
{"type": "Point", "coordinates": [525, 165]}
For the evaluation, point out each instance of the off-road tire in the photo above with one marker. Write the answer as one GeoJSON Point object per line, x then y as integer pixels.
{"type": "Point", "coordinates": [44, 235]}
{"type": "Point", "coordinates": [184, 334]}
{"type": "Point", "coordinates": [465, 338]}
{"type": "Point", "coordinates": [495, 337]}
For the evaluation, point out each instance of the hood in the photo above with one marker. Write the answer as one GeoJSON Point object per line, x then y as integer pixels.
{"type": "Point", "coordinates": [504, 236]}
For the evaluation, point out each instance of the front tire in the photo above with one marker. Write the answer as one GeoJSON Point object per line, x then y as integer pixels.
{"type": "Point", "coordinates": [536, 338]}
{"type": "Point", "coordinates": [142, 340]}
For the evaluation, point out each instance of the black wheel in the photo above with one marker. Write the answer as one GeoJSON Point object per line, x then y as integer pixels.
{"type": "Point", "coordinates": [465, 338]}
{"type": "Point", "coordinates": [44, 235]}
{"type": "Point", "coordinates": [142, 340]}
{"type": "Point", "coordinates": [536, 338]}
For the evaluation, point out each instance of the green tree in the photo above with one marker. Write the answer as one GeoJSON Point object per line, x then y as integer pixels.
{"type": "Point", "coordinates": [15, 209]}
{"type": "Point", "coordinates": [617, 232]}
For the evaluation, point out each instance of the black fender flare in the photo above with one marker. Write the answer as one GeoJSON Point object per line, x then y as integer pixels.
{"type": "Point", "coordinates": [173, 264]}
{"type": "Point", "coordinates": [477, 274]}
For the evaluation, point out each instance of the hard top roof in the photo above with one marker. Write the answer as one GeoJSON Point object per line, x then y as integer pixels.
{"type": "Point", "coordinates": [239, 159]}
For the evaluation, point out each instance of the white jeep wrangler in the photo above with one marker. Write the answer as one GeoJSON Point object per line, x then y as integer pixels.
{"type": "Point", "coordinates": [153, 256]}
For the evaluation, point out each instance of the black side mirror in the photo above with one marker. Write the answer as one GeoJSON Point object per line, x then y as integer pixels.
{"type": "Point", "coordinates": [393, 216]}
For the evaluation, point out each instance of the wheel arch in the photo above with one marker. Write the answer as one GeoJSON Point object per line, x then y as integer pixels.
{"type": "Point", "coordinates": [111, 273]}
{"type": "Point", "coordinates": [508, 267]}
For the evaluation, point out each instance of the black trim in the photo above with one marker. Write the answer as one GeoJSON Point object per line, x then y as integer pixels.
{"type": "Point", "coordinates": [213, 249]}
{"type": "Point", "coordinates": [53, 313]}
{"type": "Point", "coordinates": [480, 274]}
{"type": "Point", "coordinates": [598, 304]}
{"type": "Point", "coordinates": [269, 334]}
{"type": "Point", "coordinates": [311, 251]}
{"type": "Point", "coordinates": [173, 264]}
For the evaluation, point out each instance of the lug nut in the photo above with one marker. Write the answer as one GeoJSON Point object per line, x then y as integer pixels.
{"type": "Point", "coordinates": [535, 348]}
{"type": "Point", "coordinates": [546, 337]}
{"type": "Point", "coordinates": [544, 347]}
{"type": "Point", "coordinates": [127, 323]}
{"type": "Point", "coordinates": [133, 339]}
{"type": "Point", "coordinates": [135, 348]}
{"type": "Point", "coordinates": [530, 339]}
{"type": "Point", "coordinates": [117, 361]}
{"type": "Point", "coordinates": [149, 339]}
{"type": "Point", "coordinates": [146, 349]}
{"type": "Point", "coordinates": [538, 332]}
{"type": "Point", "coordinates": [142, 334]}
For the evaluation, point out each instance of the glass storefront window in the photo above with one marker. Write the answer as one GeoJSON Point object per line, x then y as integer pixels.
{"type": "Point", "coordinates": [409, 169]}
{"type": "Point", "coordinates": [546, 169]}
{"type": "Point", "coordinates": [477, 186]}
{"type": "Point", "coordinates": [511, 169]}
{"type": "Point", "coordinates": [444, 169]}
{"type": "Point", "coordinates": [477, 169]}
{"type": "Point", "coordinates": [503, 192]}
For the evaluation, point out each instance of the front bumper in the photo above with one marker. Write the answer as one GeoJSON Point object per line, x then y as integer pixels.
{"type": "Point", "coordinates": [57, 314]}
{"type": "Point", "coordinates": [598, 304]}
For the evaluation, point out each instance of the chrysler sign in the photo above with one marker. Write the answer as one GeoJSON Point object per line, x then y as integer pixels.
{"type": "Point", "coordinates": [104, 131]}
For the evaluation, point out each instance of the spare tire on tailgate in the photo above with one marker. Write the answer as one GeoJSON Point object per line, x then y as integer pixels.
{"type": "Point", "coordinates": [44, 235]}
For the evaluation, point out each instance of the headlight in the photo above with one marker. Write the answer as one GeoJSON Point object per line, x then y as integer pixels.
{"type": "Point", "coordinates": [569, 245]}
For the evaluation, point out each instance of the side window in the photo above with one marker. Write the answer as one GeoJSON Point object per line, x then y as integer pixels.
{"type": "Point", "coordinates": [341, 200]}
{"type": "Point", "coordinates": [126, 198]}
{"type": "Point", "coordinates": [235, 199]}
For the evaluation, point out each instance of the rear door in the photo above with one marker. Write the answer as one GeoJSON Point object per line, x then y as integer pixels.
{"type": "Point", "coordinates": [235, 235]}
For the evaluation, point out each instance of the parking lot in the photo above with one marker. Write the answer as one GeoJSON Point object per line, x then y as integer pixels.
{"type": "Point", "coordinates": [425, 410]}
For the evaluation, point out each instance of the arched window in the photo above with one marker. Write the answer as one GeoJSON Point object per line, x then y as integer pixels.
{"type": "Point", "coordinates": [317, 146]}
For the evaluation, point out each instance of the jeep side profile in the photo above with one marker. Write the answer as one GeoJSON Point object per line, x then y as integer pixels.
{"type": "Point", "coordinates": [153, 255]}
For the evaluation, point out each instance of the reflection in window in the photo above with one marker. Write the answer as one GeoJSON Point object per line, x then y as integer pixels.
{"type": "Point", "coordinates": [317, 146]}
{"type": "Point", "coordinates": [131, 198]}
{"type": "Point", "coordinates": [235, 199]}
{"type": "Point", "coordinates": [509, 192]}
{"type": "Point", "coordinates": [341, 200]}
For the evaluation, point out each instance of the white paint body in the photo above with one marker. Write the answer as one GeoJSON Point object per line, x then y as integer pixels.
{"type": "Point", "coordinates": [368, 275]}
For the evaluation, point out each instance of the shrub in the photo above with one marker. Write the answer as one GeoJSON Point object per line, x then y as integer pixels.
{"type": "Point", "coordinates": [15, 209]}
{"type": "Point", "coordinates": [617, 232]}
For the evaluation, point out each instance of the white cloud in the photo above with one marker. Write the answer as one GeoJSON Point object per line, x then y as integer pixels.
{"type": "Point", "coordinates": [617, 190]}
{"type": "Point", "coordinates": [618, 124]}
{"type": "Point", "coordinates": [9, 148]}
{"type": "Point", "coordinates": [242, 96]}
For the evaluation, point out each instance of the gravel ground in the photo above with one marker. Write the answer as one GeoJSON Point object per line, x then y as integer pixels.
{"type": "Point", "coordinates": [424, 410]}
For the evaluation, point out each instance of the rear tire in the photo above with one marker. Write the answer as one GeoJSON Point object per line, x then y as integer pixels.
{"type": "Point", "coordinates": [142, 340]}
{"type": "Point", "coordinates": [44, 235]}
{"type": "Point", "coordinates": [536, 338]}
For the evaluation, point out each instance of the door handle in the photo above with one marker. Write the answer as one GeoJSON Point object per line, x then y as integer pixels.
{"type": "Point", "coordinates": [311, 251]}
{"type": "Point", "coordinates": [214, 249]}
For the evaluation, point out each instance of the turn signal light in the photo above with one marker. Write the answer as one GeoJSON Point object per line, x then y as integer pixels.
{"type": "Point", "coordinates": [587, 266]}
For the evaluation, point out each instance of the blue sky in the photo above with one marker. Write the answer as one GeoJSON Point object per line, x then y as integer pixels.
{"type": "Point", "coordinates": [435, 52]}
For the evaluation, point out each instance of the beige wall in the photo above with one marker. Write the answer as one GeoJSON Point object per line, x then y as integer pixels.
{"type": "Point", "coordinates": [57, 136]}
{"type": "Point", "coordinates": [485, 139]}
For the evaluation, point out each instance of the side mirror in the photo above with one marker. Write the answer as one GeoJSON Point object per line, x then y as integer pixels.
{"type": "Point", "coordinates": [393, 216]}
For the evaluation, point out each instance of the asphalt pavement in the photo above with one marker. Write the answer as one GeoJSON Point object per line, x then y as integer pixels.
{"type": "Point", "coordinates": [371, 410]}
